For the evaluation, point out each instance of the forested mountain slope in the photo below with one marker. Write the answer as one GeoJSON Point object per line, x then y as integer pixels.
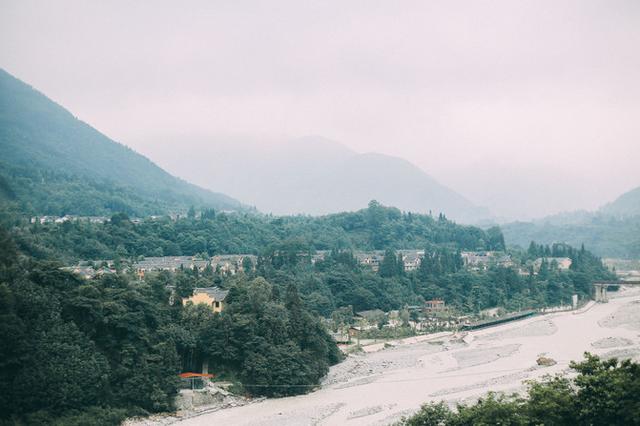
{"type": "Point", "coordinates": [611, 231]}
{"type": "Point", "coordinates": [606, 236]}
{"type": "Point", "coordinates": [374, 228]}
{"type": "Point", "coordinates": [53, 163]}
{"type": "Point", "coordinates": [628, 204]}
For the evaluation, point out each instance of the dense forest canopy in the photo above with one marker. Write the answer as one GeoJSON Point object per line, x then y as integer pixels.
{"type": "Point", "coordinates": [605, 235]}
{"type": "Point", "coordinates": [338, 280]}
{"type": "Point", "coordinates": [90, 352]}
{"type": "Point", "coordinates": [122, 334]}
{"type": "Point", "coordinates": [612, 231]}
{"type": "Point", "coordinates": [374, 228]}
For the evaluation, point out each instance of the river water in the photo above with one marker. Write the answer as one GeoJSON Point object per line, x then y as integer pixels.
{"type": "Point", "coordinates": [379, 388]}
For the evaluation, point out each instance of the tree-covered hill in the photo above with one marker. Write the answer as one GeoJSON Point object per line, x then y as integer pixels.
{"type": "Point", "coordinates": [611, 231]}
{"type": "Point", "coordinates": [375, 228]}
{"type": "Point", "coordinates": [628, 204]}
{"type": "Point", "coordinates": [53, 163]}
{"type": "Point", "coordinates": [606, 236]}
{"type": "Point", "coordinates": [91, 352]}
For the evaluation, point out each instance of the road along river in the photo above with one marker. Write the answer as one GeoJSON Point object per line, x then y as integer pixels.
{"type": "Point", "coordinates": [379, 388]}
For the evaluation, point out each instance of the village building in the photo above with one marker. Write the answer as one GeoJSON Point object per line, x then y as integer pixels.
{"type": "Point", "coordinates": [89, 272]}
{"type": "Point", "coordinates": [168, 263]}
{"type": "Point", "coordinates": [481, 260]}
{"type": "Point", "coordinates": [232, 263]}
{"type": "Point", "coordinates": [211, 296]}
{"type": "Point", "coordinates": [228, 263]}
{"type": "Point", "coordinates": [564, 263]}
{"type": "Point", "coordinates": [341, 338]}
{"type": "Point", "coordinates": [411, 259]}
{"type": "Point", "coordinates": [353, 331]}
{"type": "Point", "coordinates": [477, 260]}
{"type": "Point", "coordinates": [433, 306]}
{"type": "Point", "coordinates": [504, 261]}
{"type": "Point", "coordinates": [68, 218]}
{"type": "Point", "coordinates": [371, 318]}
{"type": "Point", "coordinates": [490, 312]}
{"type": "Point", "coordinates": [372, 260]}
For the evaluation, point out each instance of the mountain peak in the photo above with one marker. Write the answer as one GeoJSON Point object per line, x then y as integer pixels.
{"type": "Point", "coordinates": [316, 175]}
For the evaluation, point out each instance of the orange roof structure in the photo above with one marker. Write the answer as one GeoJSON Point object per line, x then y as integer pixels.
{"type": "Point", "coordinates": [191, 375]}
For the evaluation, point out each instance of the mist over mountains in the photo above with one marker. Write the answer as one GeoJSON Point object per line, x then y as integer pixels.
{"type": "Point", "coordinates": [611, 231]}
{"type": "Point", "coordinates": [311, 175]}
{"type": "Point", "coordinates": [627, 204]}
{"type": "Point", "coordinates": [61, 165]}
{"type": "Point", "coordinates": [54, 164]}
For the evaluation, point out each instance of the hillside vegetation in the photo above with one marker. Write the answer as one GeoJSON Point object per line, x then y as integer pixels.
{"type": "Point", "coordinates": [374, 228]}
{"type": "Point", "coordinates": [112, 346]}
{"type": "Point", "coordinates": [52, 163]}
{"type": "Point", "coordinates": [285, 246]}
{"type": "Point", "coordinates": [606, 236]}
{"type": "Point", "coordinates": [612, 231]}
{"type": "Point", "coordinates": [79, 352]}
{"type": "Point", "coordinates": [628, 204]}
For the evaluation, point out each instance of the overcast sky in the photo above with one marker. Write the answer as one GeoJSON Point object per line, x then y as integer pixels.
{"type": "Point", "coordinates": [493, 98]}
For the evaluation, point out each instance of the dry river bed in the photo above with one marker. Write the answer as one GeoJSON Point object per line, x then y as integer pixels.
{"type": "Point", "coordinates": [379, 388]}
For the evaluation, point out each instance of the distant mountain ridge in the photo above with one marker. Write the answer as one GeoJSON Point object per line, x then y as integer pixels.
{"type": "Point", "coordinates": [53, 163]}
{"type": "Point", "coordinates": [611, 231]}
{"type": "Point", "coordinates": [314, 175]}
{"type": "Point", "coordinates": [627, 204]}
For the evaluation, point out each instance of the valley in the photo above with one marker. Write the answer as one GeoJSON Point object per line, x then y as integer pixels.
{"type": "Point", "coordinates": [381, 387]}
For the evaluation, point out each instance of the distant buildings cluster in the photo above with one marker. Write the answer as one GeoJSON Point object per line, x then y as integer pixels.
{"type": "Point", "coordinates": [232, 264]}
{"type": "Point", "coordinates": [93, 270]}
{"type": "Point", "coordinates": [410, 258]}
{"type": "Point", "coordinates": [228, 263]}
{"type": "Point", "coordinates": [68, 218]}
{"type": "Point", "coordinates": [211, 296]}
{"type": "Point", "coordinates": [562, 263]}
{"type": "Point", "coordinates": [100, 219]}
{"type": "Point", "coordinates": [481, 260]}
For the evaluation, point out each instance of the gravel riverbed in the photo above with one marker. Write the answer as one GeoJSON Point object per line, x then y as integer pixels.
{"type": "Point", "coordinates": [379, 388]}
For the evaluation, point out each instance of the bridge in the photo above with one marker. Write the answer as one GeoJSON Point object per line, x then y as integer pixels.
{"type": "Point", "coordinates": [600, 288]}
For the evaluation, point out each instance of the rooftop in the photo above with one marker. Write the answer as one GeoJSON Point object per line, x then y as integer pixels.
{"type": "Point", "coordinates": [215, 293]}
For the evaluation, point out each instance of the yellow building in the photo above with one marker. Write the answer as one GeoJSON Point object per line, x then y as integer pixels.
{"type": "Point", "coordinates": [210, 296]}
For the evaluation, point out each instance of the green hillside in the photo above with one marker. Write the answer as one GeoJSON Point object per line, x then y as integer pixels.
{"type": "Point", "coordinates": [605, 236]}
{"type": "Point", "coordinates": [612, 231]}
{"type": "Point", "coordinates": [53, 163]}
{"type": "Point", "coordinates": [628, 204]}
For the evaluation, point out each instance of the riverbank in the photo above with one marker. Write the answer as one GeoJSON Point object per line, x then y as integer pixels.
{"type": "Point", "coordinates": [379, 387]}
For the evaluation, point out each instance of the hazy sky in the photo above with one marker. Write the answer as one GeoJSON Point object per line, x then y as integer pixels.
{"type": "Point", "coordinates": [493, 98]}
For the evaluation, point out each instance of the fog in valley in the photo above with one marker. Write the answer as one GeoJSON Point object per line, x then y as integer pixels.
{"type": "Point", "coordinates": [516, 109]}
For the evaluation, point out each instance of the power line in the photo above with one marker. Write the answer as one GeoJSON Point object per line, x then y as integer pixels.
{"type": "Point", "coordinates": [561, 362]}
